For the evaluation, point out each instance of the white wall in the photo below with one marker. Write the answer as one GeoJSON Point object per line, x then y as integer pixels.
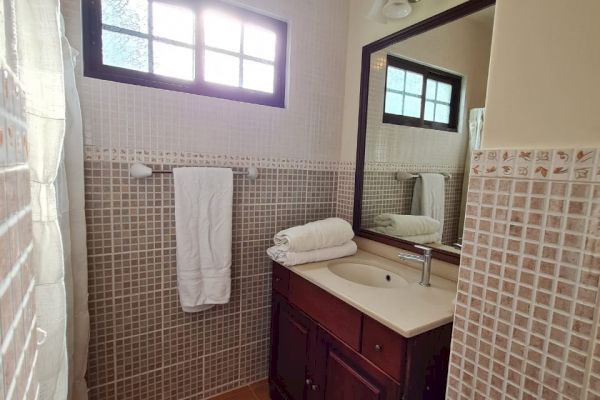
{"type": "Point", "coordinates": [544, 85]}
{"type": "Point", "coordinates": [133, 117]}
{"type": "Point", "coordinates": [361, 32]}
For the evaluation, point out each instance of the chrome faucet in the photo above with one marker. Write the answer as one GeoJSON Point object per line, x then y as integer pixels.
{"type": "Point", "coordinates": [425, 260]}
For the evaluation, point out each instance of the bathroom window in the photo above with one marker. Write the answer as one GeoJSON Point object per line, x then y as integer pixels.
{"type": "Point", "coordinates": [196, 46]}
{"type": "Point", "coordinates": [421, 96]}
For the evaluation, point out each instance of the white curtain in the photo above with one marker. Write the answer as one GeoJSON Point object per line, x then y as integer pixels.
{"type": "Point", "coordinates": [71, 203]}
{"type": "Point", "coordinates": [40, 68]}
{"type": "Point", "coordinates": [476, 120]}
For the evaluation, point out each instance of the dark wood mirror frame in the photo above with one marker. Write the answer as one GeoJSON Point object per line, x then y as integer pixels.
{"type": "Point", "coordinates": [453, 14]}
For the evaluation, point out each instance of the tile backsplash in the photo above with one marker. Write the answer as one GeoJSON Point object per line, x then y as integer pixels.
{"type": "Point", "coordinates": [142, 345]}
{"type": "Point", "coordinates": [527, 314]}
{"type": "Point", "coordinates": [18, 350]}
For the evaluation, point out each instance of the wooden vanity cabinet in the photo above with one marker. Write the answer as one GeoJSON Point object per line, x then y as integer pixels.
{"type": "Point", "coordinates": [324, 349]}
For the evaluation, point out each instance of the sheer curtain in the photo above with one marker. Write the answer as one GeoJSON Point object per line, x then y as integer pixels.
{"type": "Point", "coordinates": [40, 67]}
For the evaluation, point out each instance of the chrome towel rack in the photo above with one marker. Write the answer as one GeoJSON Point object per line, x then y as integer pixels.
{"type": "Point", "coordinates": [139, 171]}
{"type": "Point", "coordinates": [404, 176]}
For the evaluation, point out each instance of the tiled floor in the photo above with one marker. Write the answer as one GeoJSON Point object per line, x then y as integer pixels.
{"type": "Point", "coordinates": [255, 391]}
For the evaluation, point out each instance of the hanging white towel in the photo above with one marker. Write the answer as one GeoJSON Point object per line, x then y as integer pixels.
{"type": "Point", "coordinates": [203, 217]}
{"type": "Point", "coordinates": [429, 198]}
{"type": "Point", "coordinates": [328, 232]}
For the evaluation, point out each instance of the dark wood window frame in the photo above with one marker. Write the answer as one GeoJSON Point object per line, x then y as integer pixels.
{"type": "Point", "coordinates": [94, 68]}
{"type": "Point", "coordinates": [428, 73]}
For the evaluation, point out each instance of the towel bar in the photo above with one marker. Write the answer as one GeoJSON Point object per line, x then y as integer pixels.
{"type": "Point", "coordinates": [404, 176]}
{"type": "Point", "coordinates": [138, 170]}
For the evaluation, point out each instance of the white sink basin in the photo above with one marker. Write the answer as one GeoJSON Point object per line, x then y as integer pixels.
{"type": "Point", "coordinates": [367, 275]}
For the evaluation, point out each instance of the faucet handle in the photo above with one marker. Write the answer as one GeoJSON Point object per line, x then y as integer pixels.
{"type": "Point", "coordinates": [426, 250]}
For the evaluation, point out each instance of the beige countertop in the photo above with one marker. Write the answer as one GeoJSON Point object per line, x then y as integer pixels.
{"type": "Point", "coordinates": [408, 310]}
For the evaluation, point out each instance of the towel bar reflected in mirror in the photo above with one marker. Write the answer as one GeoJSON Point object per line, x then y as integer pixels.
{"type": "Point", "coordinates": [404, 176]}
{"type": "Point", "coordinates": [138, 170]}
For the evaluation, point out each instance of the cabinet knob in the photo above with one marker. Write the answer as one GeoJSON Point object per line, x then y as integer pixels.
{"type": "Point", "coordinates": [309, 381]}
{"type": "Point", "coordinates": [378, 348]}
{"type": "Point", "coordinates": [277, 279]}
{"type": "Point", "coordinates": [314, 388]}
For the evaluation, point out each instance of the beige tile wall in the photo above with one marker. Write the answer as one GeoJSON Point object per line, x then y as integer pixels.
{"type": "Point", "coordinates": [18, 351]}
{"type": "Point", "coordinates": [142, 345]}
{"type": "Point", "coordinates": [527, 315]}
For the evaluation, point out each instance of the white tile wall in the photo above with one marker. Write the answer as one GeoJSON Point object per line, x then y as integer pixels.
{"type": "Point", "coordinates": [123, 116]}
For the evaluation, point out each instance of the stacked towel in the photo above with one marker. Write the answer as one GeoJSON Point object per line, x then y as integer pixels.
{"type": "Point", "coordinates": [414, 228]}
{"type": "Point", "coordinates": [316, 241]}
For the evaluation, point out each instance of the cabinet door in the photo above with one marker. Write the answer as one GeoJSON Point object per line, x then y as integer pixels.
{"type": "Point", "coordinates": [292, 338]}
{"type": "Point", "coordinates": [346, 375]}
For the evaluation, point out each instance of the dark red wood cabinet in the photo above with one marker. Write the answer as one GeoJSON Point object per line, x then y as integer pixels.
{"type": "Point", "coordinates": [323, 355]}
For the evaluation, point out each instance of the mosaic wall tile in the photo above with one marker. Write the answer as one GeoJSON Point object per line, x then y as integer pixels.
{"type": "Point", "coordinates": [382, 193]}
{"type": "Point", "coordinates": [526, 315]}
{"type": "Point", "coordinates": [136, 318]}
{"type": "Point", "coordinates": [17, 306]}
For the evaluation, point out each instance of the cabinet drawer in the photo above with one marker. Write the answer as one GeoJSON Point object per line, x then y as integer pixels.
{"type": "Point", "coordinates": [337, 317]}
{"type": "Point", "coordinates": [281, 279]}
{"type": "Point", "coordinates": [384, 347]}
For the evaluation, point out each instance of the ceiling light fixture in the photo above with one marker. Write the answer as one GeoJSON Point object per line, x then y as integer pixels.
{"type": "Point", "coordinates": [384, 10]}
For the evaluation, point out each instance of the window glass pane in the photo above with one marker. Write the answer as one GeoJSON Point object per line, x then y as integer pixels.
{"type": "Point", "coordinates": [173, 61]}
{"type": "Point", "coordinates": [221, 68]}
{"type": "Point", "coordinates": [431, 87]}
{"type": "Point", "coordinates": [395, 79]}
{"type": "Point", "coordinates": [429, 110]}
{"type": "Point", "coordinates": [258, 76]}
{"type": "Point", "coordinates": [444, 92]}
{"type": "Point", "coordinates": [222, 31]}
{"type": "Point", "coordinates": [128, 14]}
{"type": "Point", "coordinates": [172, 22]}
{"type": "Point", "coordinates": [394, 103]}
{"type": "Point", "coordinates": [125, 51]}
{"type": "Point", "coordinates": [414, 83]}
{"type": "Point", "coordinates": [442, 113]}
{"type": "Point", "coordinates": [412, 106]}
{"type": "Point", "coordinates": [259, 42]}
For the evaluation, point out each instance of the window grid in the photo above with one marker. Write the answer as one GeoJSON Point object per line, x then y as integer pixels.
{"type": "Point", "coordinates": [434, 100]}
{"type": "Point", "coordinates": [143, 68]}
{"type": "Point", "coordinates": [429, 76]}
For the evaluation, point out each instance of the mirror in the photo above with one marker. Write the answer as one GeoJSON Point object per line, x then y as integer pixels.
{"type": "Point", "coordinates": [422, 108]}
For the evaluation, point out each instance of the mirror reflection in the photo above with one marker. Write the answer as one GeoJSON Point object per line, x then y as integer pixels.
{"type": "Point", "coordinates": [425, 114]}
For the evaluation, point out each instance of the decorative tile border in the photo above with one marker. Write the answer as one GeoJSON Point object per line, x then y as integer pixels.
{"type": "Point", "coordinates": [93, 153]}
{"type": "Point", "coordinates": [412, 167]}
{"type": "Point", "coordinates": [582, 165]}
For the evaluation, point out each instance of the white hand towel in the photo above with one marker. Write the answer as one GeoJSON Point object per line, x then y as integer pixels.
{"type": "Point", "coordinates": [329, 232]}
{"type": "Point", "coordinates": [420, 239]}
{"type": "Point", "coordinates": [290, 258]}
{"type": "Point", "coordinates": [203, 217]}
{"type": "Point", "coordinates": [407, 225]}
{"type": "Point", "coordinates": [429, 197]}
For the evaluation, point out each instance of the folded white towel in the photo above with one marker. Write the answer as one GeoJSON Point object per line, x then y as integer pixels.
{"type": "Point", "coordinates": [290, 258]}
{"type": "Point", "coordinates": [203, 217]}
{"type": "Point", "coordinates": [421, 239]}
{"type": "Point", "coordinates": [429, 196]}
{"type": "Point", "coordinates": [407, 225]}
{"type": "Point", "coordinates": [329, 232]}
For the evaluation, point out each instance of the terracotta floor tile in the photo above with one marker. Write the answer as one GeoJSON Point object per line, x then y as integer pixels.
{"type": "Point", "coordinates": [261, 390]}
{"type": "Point", "coordinates": [244, 393]}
